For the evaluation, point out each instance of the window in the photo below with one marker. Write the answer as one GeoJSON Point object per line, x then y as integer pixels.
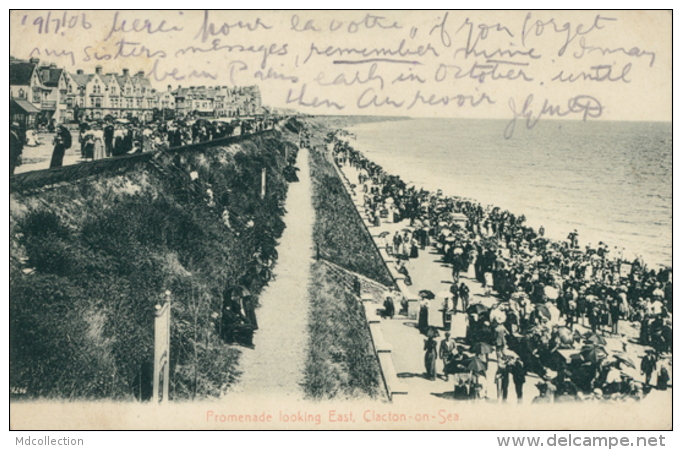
{"type": "Point", "coordinates": [113, 90]}
{"type": "Point", "coordinates": [92, 101]}
{"type": "Point", "coordinates": [70, 88]}
{"type": "Point", "coordinates": [139, 103]}
{"type": "Point", "coordinates": [22, 93]}
{"type": "Point", "coordinates": [36, 96]}
{"type": "Point", "coordinates": [128, 90]}
{"type": "Point", "coordinates": [98, 102]}
{"type": "Point", "coordinates": [81, 102]}
{"type": "Point", "coordinates": [69, 102]}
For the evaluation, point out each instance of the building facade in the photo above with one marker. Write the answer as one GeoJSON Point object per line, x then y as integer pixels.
{"type": "Point", "coordinates": [47, 93]}
{"type": "Point", "coordinates": [38, 87]}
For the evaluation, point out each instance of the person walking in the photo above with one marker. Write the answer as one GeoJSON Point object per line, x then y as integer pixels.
{"type": "Point", "coordinates": [502, 379]}
{"type": "Point", "coordinates": [16, 147]}
{"type": "Point", "coordinates": [648, 365]}
{"type": "Point", "coordinates": [500, 340]}
{"type": "Point", "coordinates": [430, 358]}
{"type": "Point", "coordinates": [109, 139]}
{"type": "Point", "coordinates": [445, 353]}
{"type": "Point", "coordinates": [518, 372]}
{"type": "Point", "coordinates": [62, 142]}
{"type": "Point", "coordinates": [423, 322]}
{"type": "Point", "coordinates": [464, 296]}
{"type": "Point", "coordinates": [448, 306]}
{"type": "Point", "coordinates": [614, 309]}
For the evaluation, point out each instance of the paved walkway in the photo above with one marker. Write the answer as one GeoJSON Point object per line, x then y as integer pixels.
{"type": "Point", "coordinates": [38, 157]}
{"type": "Point", "coordinates": [276, 366]}
{"type": "Point", "coordinates": [429, 272]}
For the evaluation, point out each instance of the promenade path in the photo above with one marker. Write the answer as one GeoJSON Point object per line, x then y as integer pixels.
{"type": "Point", "coordinates": [275, 367]}
{"type": "Point", "coordinates": [429, 272]}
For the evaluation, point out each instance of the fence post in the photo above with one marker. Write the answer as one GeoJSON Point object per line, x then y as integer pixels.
{"type": "Point", "coordinates": [162, 348]}
{"type": "Point", "coordinates": [262, 184]}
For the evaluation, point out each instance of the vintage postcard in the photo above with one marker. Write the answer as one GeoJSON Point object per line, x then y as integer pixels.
{"type": "Point", "coordinates": [354, 220]}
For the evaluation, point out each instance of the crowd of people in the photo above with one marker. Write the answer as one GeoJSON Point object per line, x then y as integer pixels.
{"type": "Point", "coordinates": [589, 291]}
{"type": "Point", "coordinates": [110, 137]}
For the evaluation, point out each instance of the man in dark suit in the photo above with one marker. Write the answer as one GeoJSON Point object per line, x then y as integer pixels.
{"type": "Point", "coordinates": [16, 146]}
{"type": "Point", "coordinates": [518, 372]}
{"type": "Point", "coordinates": [109, 138]}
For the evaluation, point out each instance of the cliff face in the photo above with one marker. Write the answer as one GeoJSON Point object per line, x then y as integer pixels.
{"type": "Point", "coordinates": [90, 259]}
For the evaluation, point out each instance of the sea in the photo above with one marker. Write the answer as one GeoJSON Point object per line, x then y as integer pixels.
{"type": "Point", "coordinates": [610, 181]}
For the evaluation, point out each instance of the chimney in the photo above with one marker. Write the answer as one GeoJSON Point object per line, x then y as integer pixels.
{"type": "Point", "coordinates": [98, 70]}
{"type": "Point", "coordinates": [53, 66]}
{"type": "Point", "coordinates": [169, 87]}
{"type": "Point", "coordinates": [79, 72]}
{"type": "Point", "coordinates": [125, 72]}
{"type": "Point", "coordinates": [140, 73]}
{"type": "Point", "coordinates": [34, 60]}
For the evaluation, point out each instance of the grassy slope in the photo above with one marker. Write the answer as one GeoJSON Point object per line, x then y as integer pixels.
{"type": "Point", "coordinates": [341, 361]}
{"type": "Point", "coordinates": [90, 260]}
{"type": "Point", "coordinates": [339, 231]}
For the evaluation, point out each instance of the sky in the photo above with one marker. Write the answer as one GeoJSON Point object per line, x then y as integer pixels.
{"type": "Point", "coordinates": [591, 65]}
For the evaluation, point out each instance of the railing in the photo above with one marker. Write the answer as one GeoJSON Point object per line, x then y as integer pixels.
{"type": "Point", "coordinates": [40, 178]}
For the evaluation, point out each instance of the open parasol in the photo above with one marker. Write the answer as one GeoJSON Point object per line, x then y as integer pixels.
{"type": "Point", "coordinates": [498, 315]}
{"type": "Point", "coordinates": [544, 311]}
{"type": "Point", "coordinates": [432, 332]}
{"type": "Point", "coordinates": [594, 339]}
{"type": "Point", "coordinates": [565, 335]}
{"type": "Point", "coordinates": [383, 234]}
{"type": "Point", "coordinates": [482, 348]}
{"type": "Point", "coordinates": [593, 353]}
{"type": "Point", "coordinates": [623, 358]}
{"type": "Point", "coordinates": [477, 308]}
{"type": "Point", "coordinates": [477, 366]}
{"type": "Point", "coordinates": [551, 292]}
{"type": "Point", "coordinates": [425, 293]}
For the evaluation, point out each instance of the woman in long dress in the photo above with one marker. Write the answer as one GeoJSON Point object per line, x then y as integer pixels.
{"type": "Point", "coordinates": [430, 358]}
{"type": "Point", "coordinates": [87, 145]}
{"type": "Point", "coordinates": [423, 322]}
{"type": "Point", "coordinates": [98, 151]}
